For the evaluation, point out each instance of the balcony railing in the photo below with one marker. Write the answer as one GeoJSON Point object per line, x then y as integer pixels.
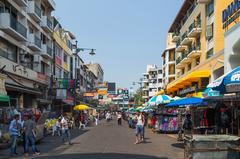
{"type": "Point", "coordinates": [49, 23]}
{"type": "Point", "coordinates": [37, 41]}
{"type": "Point", "coordinates": [178, 42]}
{"type": "Point", "coordinates": [37, 10]}
{"type": "Point", "coordinates": [21, 29]}
{"type": "Point", "coordinates": [49, 50]}
{"type": "Point", "coordinates": [179, 59]}
{"type": "Point", "coordinates": [194, 48]}
{"type": "Point", "coordinates": [195, 24]}
{"type": "Point", "coordinates": [184, 36]}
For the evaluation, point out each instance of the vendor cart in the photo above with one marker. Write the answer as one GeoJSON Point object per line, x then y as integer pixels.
{"type": "Point", "coordinates": [212, 147]}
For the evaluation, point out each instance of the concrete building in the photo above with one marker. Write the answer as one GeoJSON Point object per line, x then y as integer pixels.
{"type": "Point", "coordinates": [199, 39]}
{"type": "Point", "coordinates": [97, 70]}
{"type": "Point", "coordinates": [168, 62]}
{"type": "Point", "coordinates": [26, 50]}
{"type": "Point", "coordinates": [152, 82]}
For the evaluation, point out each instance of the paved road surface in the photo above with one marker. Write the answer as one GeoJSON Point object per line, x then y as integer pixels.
{"type": "Point", "coordinates": [109, 141]}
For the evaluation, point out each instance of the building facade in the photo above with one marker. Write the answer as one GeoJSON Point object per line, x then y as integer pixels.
{"type": "Point", "coordinates": [168, 62]}
{"type": "Point", "coordinates": [199, 49]}
{"type": "Point", "coordinates": [26, 50]}
{"type": "Point", "coordinates": [97, 70]}
{"type": "Point", "coordinates": [152, 82]}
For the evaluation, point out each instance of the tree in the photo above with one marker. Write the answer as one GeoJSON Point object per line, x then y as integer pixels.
{"type": "Point", "coordinates": [138, 100]}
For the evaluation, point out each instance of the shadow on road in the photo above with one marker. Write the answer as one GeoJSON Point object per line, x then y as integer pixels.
{"type": "Point", "coordinates": [178, 145]}
{"type": "Point", "coordinates": [101, 156]}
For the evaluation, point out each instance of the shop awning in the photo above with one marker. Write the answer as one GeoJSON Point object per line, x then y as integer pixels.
{"type": "Point", "coordinates": [187, 80]}
{"type": "Point", "coordinates": [4, 98]}
{"type": "Point", "coordinates": [193, 101]}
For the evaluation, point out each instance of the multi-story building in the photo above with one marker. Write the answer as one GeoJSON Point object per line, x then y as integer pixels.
{"type": "Point", "coordinates": [97, 70]}
{"type": "Point", "coordinates": [26, 50]}
{"type": "Point", "coordinates": [199, 40]}
{"type": "Point", "coordinates": [168, 62]}
{"type": "Point", "coordinates": [152, 82]}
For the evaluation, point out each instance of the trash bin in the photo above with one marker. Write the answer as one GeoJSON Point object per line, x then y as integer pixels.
{"type": "Point", "coordinates": [212, 147]}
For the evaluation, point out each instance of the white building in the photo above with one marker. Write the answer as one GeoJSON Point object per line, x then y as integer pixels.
{"type": "Point", "coordinates": [26, 49]}
{"type": "Point", "coordinates": [152, 81]}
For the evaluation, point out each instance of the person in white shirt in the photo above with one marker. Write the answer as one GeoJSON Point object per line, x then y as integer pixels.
{"type": "Point", "coordinates": [65, 130]}
{"type": "Point", "coordinates": [139, 127]}
{"type": "Point", "coordinates": [108, 116]}
{"type": "Point", "coordinates": [119, 118]}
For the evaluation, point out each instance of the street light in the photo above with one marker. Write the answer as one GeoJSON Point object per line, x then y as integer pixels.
{"type": "Point", "coordinates": [77, 50]}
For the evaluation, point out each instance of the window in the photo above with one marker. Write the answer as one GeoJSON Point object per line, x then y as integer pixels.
{"type": "Point", "coordinates": [183, 71]}
{"type": "Point", "coordinates": [8, 50]}
{"type": "Point", "coordinates": [43, 70]}
{"type": "Point", "coordinates": [2, 7]}
{"type": "Point", "coordinates": [210, 31]}
{"type": "Point", "coordinates": [65, 57]}
{"type": "Point", "coordinates": [198, 61]}
{"type": "Point", "coordinates": [58, 51]}
{"type": "Point", "coordinates": [210, 8]}
{"type": "Point", "coordinates": [210, 53]}
{"type": "Point", "coordinates": [189, 67]}
{"type": "Point", "coordinates": [43, 38]}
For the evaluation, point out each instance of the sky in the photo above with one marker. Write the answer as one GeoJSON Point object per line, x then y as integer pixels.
{"type": "Point", "coordinates": [127, 34]}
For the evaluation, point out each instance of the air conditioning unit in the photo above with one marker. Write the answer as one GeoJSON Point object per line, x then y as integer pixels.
{"type": "Point", "coordinates": [37, 58]}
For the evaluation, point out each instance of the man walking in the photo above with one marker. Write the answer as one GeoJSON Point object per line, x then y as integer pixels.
{"type": "Point", "coordinates": [14, 130]}
{"type": "Point", "coordinates": [65, 130]}
{"type": "Point", "coordinates": [119, 118]}
{"type": "Point", "coordinates": [139, 127]}
{"type": "Point", "coordinates": [29, 127]}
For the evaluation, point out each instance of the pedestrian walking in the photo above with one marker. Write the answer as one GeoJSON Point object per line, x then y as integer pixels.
{"type": "Point", "coordinates": [139, 127]}
{"type": "Point", "coordinates": [14, 130]}
{"type": "Point", "coordinates": [29, 128]}
{"type": "Point", "coordinates": [119, 118]}
{"type": "Point", "coordinates": [65, 130]}
{"type": "Point", "coordinates": [187, 125]}
{"type": "Point", "coordinates": [96, 118]}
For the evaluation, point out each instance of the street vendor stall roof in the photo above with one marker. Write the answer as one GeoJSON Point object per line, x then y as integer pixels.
{"type": "Point", "coordinates": [4, 98]}
{"type": "Point", "coordinates": [187, 101]}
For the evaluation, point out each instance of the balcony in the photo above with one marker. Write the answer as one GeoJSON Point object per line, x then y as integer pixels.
{"type": "Point", "coordinates": [51, 3]}
{"type": "Point", "coordinates": [47, 24]}
{"type": "Point", "coordinates": [34, 42]}
{"type": "Point", "coordinates": [46, 51]}
{"type": "Point", "coordinates": [180, 47]}
{"type": "Point", "coordinates": [179, 63]}
{"type": "Point", "coordinates": [145, 80]}
{"type": "Point", "coordinates": [195, 29]}
{"type": "Point", "coordinates": [185, 39]}
{"type": "Point", "coordinates": [11, 26]}
{"type": "Point", "coordinates": [22, 3]}
{"type": "Point", "coordinates": [171, 62]}
{"type": "Point", "coordinates": [175, 36]}
{"type": "Point", "coordinates": [194, 51]}
{"type": "Point", "coordinates": [185, 58]}
{"type": "Point", "coordinates": [34, 10]}
{"type": "Point", "coordinates": [145, 89]}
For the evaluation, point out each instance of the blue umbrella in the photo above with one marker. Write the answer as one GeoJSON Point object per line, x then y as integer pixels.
{"type": "Point", "coordinates": [187, 101]}
{"type": "Point", "coordinates": [230, 79]}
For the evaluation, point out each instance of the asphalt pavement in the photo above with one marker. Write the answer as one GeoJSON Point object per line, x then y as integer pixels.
{"type": "Point", "coordinates": [107, 141]}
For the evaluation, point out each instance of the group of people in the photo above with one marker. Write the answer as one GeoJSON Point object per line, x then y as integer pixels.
{"type": "Point", "coordinates": [26, 129]}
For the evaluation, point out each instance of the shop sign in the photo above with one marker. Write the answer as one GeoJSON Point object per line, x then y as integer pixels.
{"type": "Point", "coordinates": [235, 77]}
{"type": "Point", "coordinates": [233, 88]}
{"type": "Point", "coordinates": [231, 13]}
{"type": "Point", "coordinates": [42, 77]}
{"type": "Point", "coordinates": [58, 60]}
{"type": "Point", "coordinates": [2, 85]}
{"type": "Point", "coordinates": [187, 90]}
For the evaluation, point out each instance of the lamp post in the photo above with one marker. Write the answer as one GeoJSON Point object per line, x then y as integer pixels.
{"type": "Point", "coordinates": [78, 50]}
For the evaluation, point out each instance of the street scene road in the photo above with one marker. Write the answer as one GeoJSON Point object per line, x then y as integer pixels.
{"type": "Point", "coordinates": [108, 141]}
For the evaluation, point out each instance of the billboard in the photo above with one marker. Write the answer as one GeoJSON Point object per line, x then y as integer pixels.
{"type": "Point", "coordinates": [61, 94]}
{"type": "Point", "coordinates": [111, 88]}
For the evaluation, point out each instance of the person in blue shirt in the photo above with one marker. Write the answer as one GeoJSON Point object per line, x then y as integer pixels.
{"type": "Point", "coordinates": [14, 130]}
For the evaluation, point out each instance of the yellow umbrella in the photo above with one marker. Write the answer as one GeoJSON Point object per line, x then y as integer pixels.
{"type": "Point", "coordinates": [81, 107]}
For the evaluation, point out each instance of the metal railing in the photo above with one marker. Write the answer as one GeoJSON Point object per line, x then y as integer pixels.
{"type": "Point", "coordinates": [21, 29]}
{"type": "Point", "coordinates": [37, 10]}
{"type": "Point", "coordinates": [37, 41]}
{"type": "Point", "coordinates": [179, 59]}
{"type": "Point", "coordinates": [194, 48]}
{"type": "Point", "coordinates": [184, 35]}
{"type": "Point", "coordinates": [178, 42]}
{"type": "Point", "coordinates": [49, 50]}
{"type": "Point", "coordinates": [49, 23]}
{"type": "Point", "coordinates": [195, 24]}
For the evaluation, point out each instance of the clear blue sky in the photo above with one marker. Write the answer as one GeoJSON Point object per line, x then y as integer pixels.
{"type": "Point", "coordinates": [128, 34]}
